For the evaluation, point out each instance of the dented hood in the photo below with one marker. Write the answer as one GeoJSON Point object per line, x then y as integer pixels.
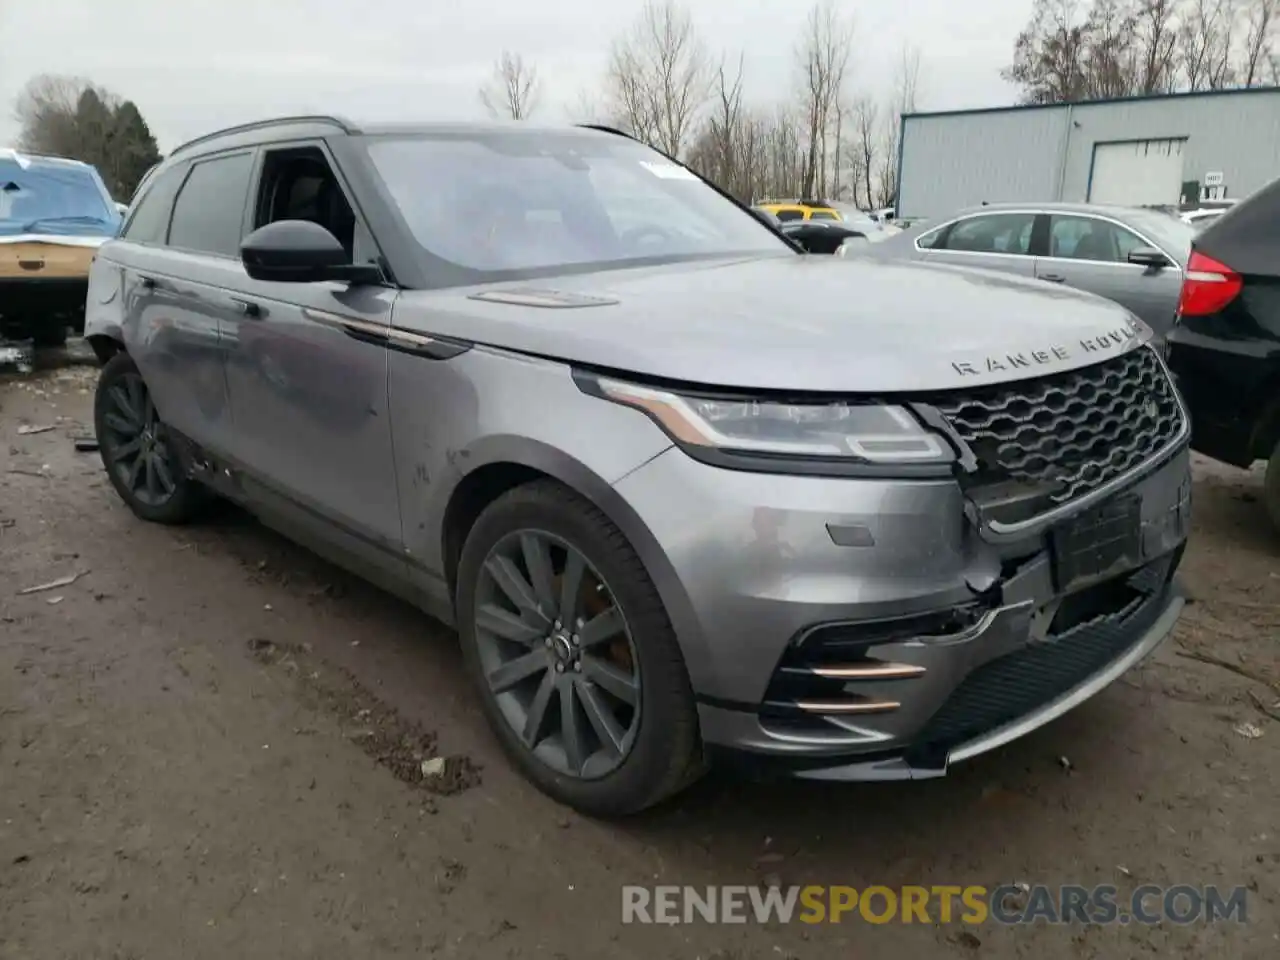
{"type": "Point", "coordinates": [791, 323]}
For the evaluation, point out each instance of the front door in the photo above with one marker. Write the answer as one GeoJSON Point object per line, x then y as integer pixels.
{"type": "Point", "coordinates": [308, 394]}
{"type": "Point", "coordinates": [1092, 254]}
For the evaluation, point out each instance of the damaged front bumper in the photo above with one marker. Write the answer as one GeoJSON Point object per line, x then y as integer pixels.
{"type": "Point", "coordinates": [910, 635]}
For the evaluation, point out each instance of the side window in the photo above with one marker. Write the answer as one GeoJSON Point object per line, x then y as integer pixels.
{"type": "Point", "coordinates": [788, 215]}
{"type": "Point", "coordinates": [821, 215]}
{"type": "Point", "coordinates": [929, 239]}
{"type": "Point", "coordinates": [150, 218]}
{"type": "Point", "coordinates": [208, 216]}
{"type": "Point", "coordinates": [1126, 242]}
{"type": "Point", "coordinates": [993, 233]}
{"type": "Point", "coordinates": [1085, 238]}
{"type": "Point", "coordinates": [298, 184]}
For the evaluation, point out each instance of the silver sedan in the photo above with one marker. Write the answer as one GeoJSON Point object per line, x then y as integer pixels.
{"type": "Point", "coordinates": [1133, 256]}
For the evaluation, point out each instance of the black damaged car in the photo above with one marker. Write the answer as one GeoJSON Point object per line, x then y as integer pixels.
{"type": "Point", "coordinates": [1224, 348]}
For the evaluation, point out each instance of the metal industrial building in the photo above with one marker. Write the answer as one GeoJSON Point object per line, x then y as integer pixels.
{"type": "Point", "coordinates": [1135, 151]}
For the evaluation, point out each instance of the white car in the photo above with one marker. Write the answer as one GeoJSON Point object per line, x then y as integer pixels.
{"type": "Point", "coordinates": [1203, 217]}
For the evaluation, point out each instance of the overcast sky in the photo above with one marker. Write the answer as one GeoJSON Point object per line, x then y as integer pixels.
{"type": "Point", "coordinates": [196, 65]}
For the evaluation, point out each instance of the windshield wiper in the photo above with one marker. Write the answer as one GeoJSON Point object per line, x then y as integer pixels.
{"type": "Point", "coordinates": [32, 224]}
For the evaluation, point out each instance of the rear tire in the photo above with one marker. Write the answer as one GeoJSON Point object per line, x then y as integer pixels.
{"type": "Point", "coordinates": [662, 752]}
{"type": "Point", "coordinates": [49, 334]}
{"type": "Point", "coordinates": [141, 460]}
{"type": "Point", "coordinates": [1271, 487]}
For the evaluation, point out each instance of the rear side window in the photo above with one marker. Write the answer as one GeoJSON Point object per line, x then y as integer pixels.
{"type": "Point", "coordinates": [821, 215]}
{"type": "Point", "coordinates": [208, 215]}
{"type": "Point", "coordinates": [995, 233]}
{"type": "Point", "coordinates": [929, 240]}
{"type": "Point", "coordinates": [787, 216]}
{"type": "Point", "coordinates": [150, 220]}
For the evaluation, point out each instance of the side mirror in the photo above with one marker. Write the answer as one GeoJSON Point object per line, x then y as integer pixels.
{"type": "Point", "coordinates": [1148, 257]}
{"type": "Point", "coordinates": [299, 251]}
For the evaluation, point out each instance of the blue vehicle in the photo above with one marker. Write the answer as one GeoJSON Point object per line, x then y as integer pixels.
{"type": "Point", "coordinates": [54, 215]}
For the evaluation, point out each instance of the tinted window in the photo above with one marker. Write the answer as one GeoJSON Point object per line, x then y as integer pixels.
{"type": "Point", "coordinates": [150, 218]}
{"type": "Point", "coordinates": [994, 233]}
{"type": "Point", "coordinates": [1085, 238]}
{"type": "Point", "coordinates": [822, 215]}
{"type": "Point", "coordinates": [209, 212]}
{"type": "Point", "coordinates": [788, 215]}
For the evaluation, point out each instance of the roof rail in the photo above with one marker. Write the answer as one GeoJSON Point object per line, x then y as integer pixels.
{"type": "Point", "coordinates": [346, 126]}
{"type": "Point", "coordinates": [605, 128]}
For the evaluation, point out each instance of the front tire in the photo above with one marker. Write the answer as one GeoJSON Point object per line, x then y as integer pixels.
{"type": "Point", "coordinates": [578, 667]}
{"type": "Point", "coordinates": [137, 449]}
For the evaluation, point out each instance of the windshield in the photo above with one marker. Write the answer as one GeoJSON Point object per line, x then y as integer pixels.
{"type": "Point", "coordinates": [39, 195]}
{"type": "Point", "coordinates": [510, 205]}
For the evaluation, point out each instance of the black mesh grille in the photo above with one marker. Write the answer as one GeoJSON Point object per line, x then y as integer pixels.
{"type": "Point", "coordinates": [1014, 685]}
{"type": "Point", "coordinates": [1074, 431]}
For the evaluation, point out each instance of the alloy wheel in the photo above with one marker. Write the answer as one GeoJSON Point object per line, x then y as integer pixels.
{"type": "Point", "coordinates": [136, 442]}
{"type": "Point", "coordinates": [557, 654]}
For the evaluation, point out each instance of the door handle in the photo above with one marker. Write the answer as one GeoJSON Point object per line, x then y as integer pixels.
{"type": "Point", "coordinates": [247, 307]}
{"type": "Point", "coordinates": [1053, 277]}
{"type": "Point", "coordinates": [148, 283]}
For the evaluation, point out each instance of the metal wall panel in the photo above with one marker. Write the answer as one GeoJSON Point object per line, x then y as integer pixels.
{"type": "Point", "coordinates": [962, 159]}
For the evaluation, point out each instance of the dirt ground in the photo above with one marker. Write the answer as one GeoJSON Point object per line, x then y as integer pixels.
{"type": "Point", "coordinates": [211, 746]}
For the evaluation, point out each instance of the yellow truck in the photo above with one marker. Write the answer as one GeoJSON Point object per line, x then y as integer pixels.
{"type": "Point", "coordinates": [54, 215]}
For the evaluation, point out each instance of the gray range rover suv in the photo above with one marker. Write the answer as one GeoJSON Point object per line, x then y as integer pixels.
{"type": "Point", "coordinates": [561, 393]}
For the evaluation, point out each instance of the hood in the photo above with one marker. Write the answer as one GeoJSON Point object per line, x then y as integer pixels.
{"type": "Point", "coordinates": [56, 239]}
{"type": "Point", "coordinates": [796, 323]}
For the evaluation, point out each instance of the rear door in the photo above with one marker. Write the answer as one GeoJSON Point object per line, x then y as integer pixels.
{"type": "Point", "coordinates": [992, 241]}
{"type": "Point", "coordinates": [1092, 253]}
{"type": "Point", "coordinates": [180, 245]}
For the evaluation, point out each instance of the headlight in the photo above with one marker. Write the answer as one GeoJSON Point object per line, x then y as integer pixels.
{"type": "Point", "coordinates": [867, 433]}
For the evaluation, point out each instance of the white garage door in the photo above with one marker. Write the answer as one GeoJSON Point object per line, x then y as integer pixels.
{"type": "Point", "coordinates": [1133, 174]}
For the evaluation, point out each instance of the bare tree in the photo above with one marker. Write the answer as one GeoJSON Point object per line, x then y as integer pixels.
{"type": "Point", "coordinates": [1048, 56]}
{"type": "Point", "coordinates": [1204, 44]}
{"type": "Point", "coordinates": [726, 145]}
{"type": "Point", "coordinates": [659, 77]}
{"type": "Point", "coordinates": [824, 59]}
{"type": "Point", "coordinates": [1109, 61]}
{"type": "Point", "coordinates": [1156, 39]}
{"type": "Point", "coordinates": [513, 90]}
{"type": "Point", "coordinates": [906, 91]}
{"type": "Point", "coordinates": [46, 110]}
{"type": "Point", "coordinates": [866, 118]}
{"type": "Point", "coordinates": [1260, 24]}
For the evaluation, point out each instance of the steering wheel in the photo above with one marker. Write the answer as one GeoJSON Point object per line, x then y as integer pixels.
{"type": "Point", "coordinates": [638, 236]}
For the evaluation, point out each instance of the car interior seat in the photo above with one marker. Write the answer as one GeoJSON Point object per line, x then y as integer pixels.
{"type": "Point", "coordinates": [1094, 245]}
{"type": "Point", "coordinates": [308, 191]}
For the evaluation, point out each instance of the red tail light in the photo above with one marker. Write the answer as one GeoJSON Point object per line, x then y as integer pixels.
{"type": "Point", "coordinates": [1207, 286]}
